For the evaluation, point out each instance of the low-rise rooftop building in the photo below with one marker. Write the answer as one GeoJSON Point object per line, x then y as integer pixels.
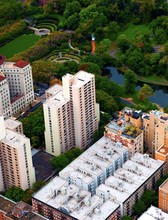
{"type": "Point", "coordinates": [92, 167]}
{"type": "Point", "coordinates": [59, 199]}
{"type": "Point", "coordinates": [10, 210]}
{"type": "Point", "coordinates": [129, 182]}
{"type": "Point", "coordinates": [153, 213]}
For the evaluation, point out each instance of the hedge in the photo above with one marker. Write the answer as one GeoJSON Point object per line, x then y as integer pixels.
{"type": "Point", "coordinates": [11, 31]}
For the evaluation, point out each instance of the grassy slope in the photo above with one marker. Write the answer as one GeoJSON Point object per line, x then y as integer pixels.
{"type": "Point", "coordinates": [133, 30]}
{"type": "Point", "coordinates": [19, 44]}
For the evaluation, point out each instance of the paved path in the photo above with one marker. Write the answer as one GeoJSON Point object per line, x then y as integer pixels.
{"type": "Point", "coordinates": [73, 48]}
{"type": "Point", "coordinates": [113, 53]}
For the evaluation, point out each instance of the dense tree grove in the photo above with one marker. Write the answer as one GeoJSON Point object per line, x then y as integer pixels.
{"type": "Point", "coordinates": [33, 126]}
{"type": "Point", "coordinates": [60, 162]}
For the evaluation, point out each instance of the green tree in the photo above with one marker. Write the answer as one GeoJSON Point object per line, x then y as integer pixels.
{"type": "Point", "coordinates": [130, 81]}
{"type": "Point", "coordinates": [139, 207]}
{"type": "Point", "coordinates": [103, 46]}
{"type": "Point", "coordinates": [125, 217]}
{"type": "Point", "coordinates": [15, 193]}
{"type": "Point", "coordinates": [72, 21]}
{"type": "Point", "coordinates": [123, 43]}
{"type": "Point", "coordinates": [149, 197]}
{"type": "Point", "coordinates": [107, 102]}
{"type": "Point", "coordinates": [144, 92]}
{"type": "Point", "coordinates": [38, 185]}
{"type": "Point", "coordinates": [43, 70]}
{"type": "Point", "coordinates": [33, 126]}
{"type": "Point", "coordinates": [60, 162]}
{"type": "Point", "coordinates": [91, 68]}
{"type": "Point", "coordinates": [71, 8]}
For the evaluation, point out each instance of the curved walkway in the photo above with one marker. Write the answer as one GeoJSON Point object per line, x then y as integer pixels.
{"type": "Point", "coordinates": [73, 48]}
{"type": "Point", "coordinates": [40, 31]}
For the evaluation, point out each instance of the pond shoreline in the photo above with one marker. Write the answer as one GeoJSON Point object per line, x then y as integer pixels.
{"type": "Point", "coordinates": [144, 79]}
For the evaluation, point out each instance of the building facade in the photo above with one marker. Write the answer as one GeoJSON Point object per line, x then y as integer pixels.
{"type": "Point", "coordinates": [163, 196]}
{"type": "Point", "coordinates": [16, 168]}
{"type": "Point", "coordinates": [16, 86]}
{"type": "Point", "coordinates": [71, 113]}
{"type": "Point", "coordinates": [155, 130]}
{"type": "Point", "coordinates": [127, 129]}
{"type": "Point", "coordinates": [102, 183]}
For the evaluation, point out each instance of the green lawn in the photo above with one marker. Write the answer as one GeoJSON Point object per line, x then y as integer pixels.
{"type": "Point", "coordinates": [19, 44]}
{"type": "Point", "coordinates": [134, 30]}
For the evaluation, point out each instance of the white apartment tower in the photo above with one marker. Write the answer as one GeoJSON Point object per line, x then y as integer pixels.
{"type": "Point", "coordinates": [71, 114]}
{"type": "Point", "coordinates": [16, 86]}
{"type": "Point", "coordinates": [16, 168]}
{"type": "Point", "coordinates": [58, 124]}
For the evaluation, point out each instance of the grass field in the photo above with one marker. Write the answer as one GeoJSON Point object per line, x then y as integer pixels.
{"type": "Point", "coordinates": [134, 30]}
{"type": "Point", "coordinates": [19, 44]}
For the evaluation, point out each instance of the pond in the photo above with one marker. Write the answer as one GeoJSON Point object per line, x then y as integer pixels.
{"type": "Point", "coordinates": [160, 95]}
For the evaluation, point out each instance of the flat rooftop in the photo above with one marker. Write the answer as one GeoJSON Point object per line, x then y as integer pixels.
{"type": "Point", "coordinates": [130, 177]}
{"type": "Point", "coordinates": [164, 185]}
{"type": "Point", "coordinates": [80, 78]}
{"type": "Point", "coordinates": [104, 211]}
{"type": "Point", "coordinates": [157, 113]}
{"type": "Point", "coordinates": [163, 150]}
{"type": "Point", "coordinates": [48, 193]}
{"type": "Point", "coordinates": [14, 139]}
{"type": "Point", "coordinates": [53, 90]}
{"type": "Point", "coordinates": [12, 124]}
{"type": "Point", "coordinates": [146, 161]}
{"type": "Point", "coordinates": [11, 208]}
{"type": "Point", "coordinates": [153, 213]}
{"type": "Point", "coordinates": [116, 127]}
{"type": "Point", "coordinates": [5, 204]}
{"type": "Point", "coordinates": [42, 165]}
{"type": "Point", "coordinates": [99, 156]}
{"type": "Point", "coordinates": [57, 100]}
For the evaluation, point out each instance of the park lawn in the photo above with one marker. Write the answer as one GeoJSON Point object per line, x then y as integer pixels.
{"type": "Point", "coordinates": [153, 79]}
{"type": "Point", "coordinates": [19, 44]}
{"type": "Point", "coordinates": [133, 30]}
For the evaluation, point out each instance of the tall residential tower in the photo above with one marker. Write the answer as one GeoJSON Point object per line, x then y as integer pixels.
{"type": "Point", "coordinates": [16, 168]}
{"type": "Point", "coordinates": [71, 114]}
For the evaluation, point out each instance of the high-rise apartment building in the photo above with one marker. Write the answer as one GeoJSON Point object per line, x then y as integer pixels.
{"type": "Point", "coordinates": [163, 196]}
{"type": "Point", "coordinates": [155, 130]}
{"type": "Point", "coordinates": [16, 168]}
{"type": "Point", "coordinates": [16, 86]}
{"type": "Point", "coordinates": [71, 113]}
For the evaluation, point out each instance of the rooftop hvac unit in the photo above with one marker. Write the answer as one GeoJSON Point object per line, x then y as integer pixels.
{"type": "Point", "coordinates": [87, 202]}
{"type": "Point", "coordinates": [97, 211]}
{"type": "Point", "coordinates": [64, 190]}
